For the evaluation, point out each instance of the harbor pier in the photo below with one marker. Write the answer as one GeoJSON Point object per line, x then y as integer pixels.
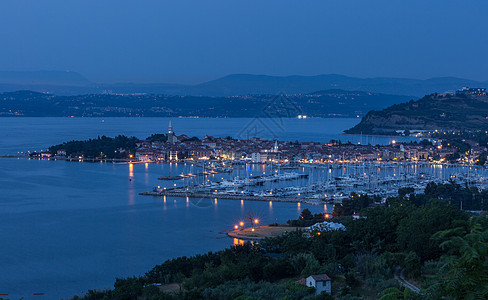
{"type": "Point", "coordinates": [184, 194]}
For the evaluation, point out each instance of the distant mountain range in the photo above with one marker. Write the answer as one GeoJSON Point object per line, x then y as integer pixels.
{"type": "Point", "coordinates": [327, 103]}
{"type": "Point", "coordinates": [72, 83]}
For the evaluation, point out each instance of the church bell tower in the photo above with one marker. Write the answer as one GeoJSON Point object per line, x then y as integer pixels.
{"type": "Point", "coordinates": [171, 134]}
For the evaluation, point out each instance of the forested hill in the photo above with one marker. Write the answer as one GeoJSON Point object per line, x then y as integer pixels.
{"type": "Point", "coordinates": [441, 112]}
{"type": "Point", "coordinates": [328, 103]}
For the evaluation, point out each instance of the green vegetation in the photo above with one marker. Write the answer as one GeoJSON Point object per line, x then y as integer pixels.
{"type": "Point", "coordinates": [157, 137]}
{"type": "Point", "coordinates": [439, 247]}
{"type": "Point", "coordinates": [103, 147]}
{"type": "Point", "coordinates": [478, 136]}
{"type": "Point", "coordinates": [442, 112]}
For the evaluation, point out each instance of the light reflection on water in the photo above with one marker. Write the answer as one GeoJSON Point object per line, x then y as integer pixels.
{"type": "Point", "coordinates": [76, 226]}
{"type": "Point", "coordinates": [51, 206]}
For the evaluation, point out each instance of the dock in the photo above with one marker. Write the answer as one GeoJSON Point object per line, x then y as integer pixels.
{"type": "Point", "coordinates": [183, 176]}
{"type": "Point", "coordinates": [181, 194]}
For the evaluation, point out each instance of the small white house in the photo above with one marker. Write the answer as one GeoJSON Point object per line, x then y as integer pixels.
{"type": "Point", "coordinates": [321, 283]}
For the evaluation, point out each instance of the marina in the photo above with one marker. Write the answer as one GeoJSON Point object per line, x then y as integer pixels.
{"type": "Point", "coordinates": [318, 183]}
{"type": "Point", "coordinates": [210, 170]}
{"type": "Point", "coordinates": [47, 204]}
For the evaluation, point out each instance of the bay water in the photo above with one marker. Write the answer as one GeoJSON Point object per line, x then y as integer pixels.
{"type": "Point", "coordinates": [67, 227]}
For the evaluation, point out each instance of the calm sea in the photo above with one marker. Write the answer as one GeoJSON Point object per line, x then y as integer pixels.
{"type": "Point", "coordinates": [24, 134]}
{"type": "Point", "coordinates": [67, 227]}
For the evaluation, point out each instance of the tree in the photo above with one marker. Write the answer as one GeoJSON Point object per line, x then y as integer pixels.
{"type": "Point", "coordinates": [415, 231]}
{"type": "Point", "coordinates": [466, 275]}
{"type": "Point", "coordinates": [306, 214]}
{"type": "Point", "coordinates": [405, 191]}
{"type": "Point", "coordinates": [339, 211]}
{"type": "Point", "coordinates": [412, 264]}
{"type": "Point", "coordinates": [396, 294]}
{"type": "Point", "coordinates": [351, 279]}
{"type": "Point", "coordinates": [482, 158]}
{"type": "Point", "coordinates": [157, 137]}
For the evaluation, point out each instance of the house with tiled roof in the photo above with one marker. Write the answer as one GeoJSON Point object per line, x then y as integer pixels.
{"type": "Point", "coordinates": [321, 283]}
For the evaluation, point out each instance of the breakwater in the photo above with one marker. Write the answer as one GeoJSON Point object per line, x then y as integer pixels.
{"type": "Point", "coordinates": [173, 193]}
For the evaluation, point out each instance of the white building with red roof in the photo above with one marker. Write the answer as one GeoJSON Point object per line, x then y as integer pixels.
{"type": "Point", "coordinates": [321, 283]}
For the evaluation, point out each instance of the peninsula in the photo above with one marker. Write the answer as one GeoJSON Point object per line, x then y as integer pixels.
{"type": "Point", "coordinates": [465, 109]}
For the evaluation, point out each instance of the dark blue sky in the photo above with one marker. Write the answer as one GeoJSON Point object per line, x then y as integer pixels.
{"type": "Point", "coordinates": [191, 41]}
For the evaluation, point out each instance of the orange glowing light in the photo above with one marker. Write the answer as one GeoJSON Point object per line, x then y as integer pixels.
{"type": "Point", "coordinates": [241, 223]}
{"type": "Point", "coordinates": [236, 226]}
{"type": "Point", "coordinates": [256, 221]}
{"type": "Point", "coordinates": [327, 216]}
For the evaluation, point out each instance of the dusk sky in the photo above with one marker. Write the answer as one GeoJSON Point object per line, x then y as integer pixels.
{"type": "Point", "coordinates": [183, 41]}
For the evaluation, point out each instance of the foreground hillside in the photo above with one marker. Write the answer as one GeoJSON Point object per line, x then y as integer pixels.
{"type": "Point", "coordinates": [329, 103]}
{"type": "Point", "coordinates": [441, 112]}
{"type": "Point", "coordinates": [424, 240]}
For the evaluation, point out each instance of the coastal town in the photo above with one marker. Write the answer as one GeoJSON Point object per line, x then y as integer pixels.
{"type": "Point", "coordinates": [308, 172]}
{"type": "Point", "coordinates": [255, 150]}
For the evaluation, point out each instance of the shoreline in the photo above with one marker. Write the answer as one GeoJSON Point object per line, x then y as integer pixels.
{"type": "Point", "coordinates": [260, 232]}
{"type": "Point", "coordinates": [384, 135]}
{"type": "Point", "coordinates": [240, 162]}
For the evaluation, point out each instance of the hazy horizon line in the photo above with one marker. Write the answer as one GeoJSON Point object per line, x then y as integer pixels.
{"type": "Point", "coordinates": [202, 81]}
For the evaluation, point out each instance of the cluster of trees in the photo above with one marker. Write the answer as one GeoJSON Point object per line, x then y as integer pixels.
{"type": "Point", "coordinates": [443, 248]}
{"type": "Point", "coordinates": [462, 197]}
{"type": "Point", "coordinates": [157, 137]}
{"type": "Point", "coordinates": [102, 147]}
{"type": "Point", "coordinates": [478, 136]}
{"type": "Point", "coordinates": [242, 272]}
{"type": "Point", "coordinates": [354, 204]}
{"type": "Point", "coordinates": [120, 147]}
{"type": "Point", "coordinates": [457, 143]}
{"type": "Point", "coordinates": [306, 219]}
